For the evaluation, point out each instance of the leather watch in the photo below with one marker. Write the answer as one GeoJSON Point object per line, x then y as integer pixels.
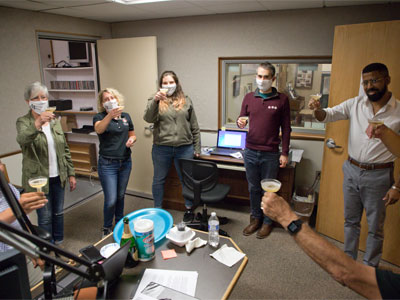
{"type": "Point", "coordinates": [294, 226]}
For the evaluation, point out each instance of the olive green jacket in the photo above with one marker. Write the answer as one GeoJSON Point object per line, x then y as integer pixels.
{"type": "Point", "coordinates": [174, 128]}
{"type": "Point", "coordinates": [35, 159]}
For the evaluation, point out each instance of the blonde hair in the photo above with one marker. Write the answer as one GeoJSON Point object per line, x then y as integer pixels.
{"type": "Point", "coordinates": [117, 95]}
{"type": "Point", "coordinates": [177, 99]}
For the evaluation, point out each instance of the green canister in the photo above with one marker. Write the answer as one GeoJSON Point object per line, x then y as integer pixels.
{"type": "Point", "coordinates": [144, 233]}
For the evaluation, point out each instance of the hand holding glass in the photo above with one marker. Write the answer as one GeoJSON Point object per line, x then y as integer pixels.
{"type": "Point", "coordinates": [314, 102]}
{"type": "Point", "coordinates": [270, 185]}
{"type": "Point", "coordinates": [51, 109]}
{"type": "Point", "coordinates": [375, 124]}
{"type": "Point", "coordinates": [38, 182]}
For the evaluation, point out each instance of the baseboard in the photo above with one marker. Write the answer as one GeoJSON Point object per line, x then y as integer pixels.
{"type": "Point", "coordinates": [139, 194]}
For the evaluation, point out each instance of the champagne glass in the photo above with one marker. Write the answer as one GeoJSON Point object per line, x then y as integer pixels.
{"type": "Point", "coordinates": [375, 124]}
{"type": "Point", "coordinates": [164, 91]}
{"type": "Point", "coordinates": [38, 182]}
{"type": "Point", "coordinates": [51, 109]}
{"type": "Point", "coordinates": [271, 185]}
{"type": "Point", "coordinates": [121, 107]}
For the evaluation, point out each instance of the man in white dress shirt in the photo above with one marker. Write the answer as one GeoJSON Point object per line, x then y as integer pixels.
{"type": "Point", "coordinates": [368, 172]}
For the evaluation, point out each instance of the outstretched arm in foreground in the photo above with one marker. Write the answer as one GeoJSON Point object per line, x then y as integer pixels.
{"type": "Point", "coordinates": [342, 268]}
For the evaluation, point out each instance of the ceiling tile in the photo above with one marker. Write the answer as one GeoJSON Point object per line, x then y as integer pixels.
{"type": "Point", "coordinates": [290, 4]}
{"type": "Point", "coordinates": [228, 6]}
{"type": "Point", "coordinates": [107, 12]}
{"type": "Point", "coordinates": [330, 3]}
{"type": "Point", "coordinates": [23, 4]}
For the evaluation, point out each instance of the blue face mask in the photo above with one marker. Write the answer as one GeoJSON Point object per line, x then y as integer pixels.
{"type": "Point", "coordinates": [39, 106]}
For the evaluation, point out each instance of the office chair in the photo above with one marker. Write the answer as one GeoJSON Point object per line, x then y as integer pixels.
{"type": "Point", "coordinates": [200, 184]}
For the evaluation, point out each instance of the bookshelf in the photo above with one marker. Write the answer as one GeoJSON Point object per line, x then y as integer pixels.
{"type": "Point", "coordinates": [66, 80]}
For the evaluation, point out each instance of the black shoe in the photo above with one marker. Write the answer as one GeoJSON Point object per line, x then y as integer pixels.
{"type": "Point", "coordinates": [188, 216]}
{"type": "Point", "coordinates": [105, 232]}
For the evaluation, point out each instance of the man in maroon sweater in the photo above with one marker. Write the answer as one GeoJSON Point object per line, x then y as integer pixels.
{"type": "Point", "coordinates": [268, 111]}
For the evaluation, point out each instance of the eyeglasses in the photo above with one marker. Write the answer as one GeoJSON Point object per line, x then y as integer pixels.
{"type": "Point", "coordinates": [39, 98]}
{"type": "Point", "coordinates": [371, 81]}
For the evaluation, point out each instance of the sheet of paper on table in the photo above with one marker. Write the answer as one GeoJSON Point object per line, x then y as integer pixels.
{"type": "Point", "coordinates": [297, 154]}
{"type": "Point", "coordinates": [182, 281]}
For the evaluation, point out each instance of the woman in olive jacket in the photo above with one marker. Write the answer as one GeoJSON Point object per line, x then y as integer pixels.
{"type": "Point", "coordinates": [176, 134]}
{"type": "Point", "coordinates": [45, 152]}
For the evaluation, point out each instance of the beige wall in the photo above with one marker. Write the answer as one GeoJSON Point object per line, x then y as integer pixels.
{"type": "Point", "coordinates": [191, 47]}
{"type": "Point", "coordinates": [20, 61]}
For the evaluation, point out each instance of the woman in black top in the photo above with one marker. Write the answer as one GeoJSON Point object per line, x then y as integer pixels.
{"type": "Point", "coordinates": [116, 135]}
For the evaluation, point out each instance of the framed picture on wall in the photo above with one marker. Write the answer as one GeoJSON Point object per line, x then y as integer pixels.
{"type": "Point", "coordinates": [325, 83]}
{"type": "Point", "coordinates": [304, 79]}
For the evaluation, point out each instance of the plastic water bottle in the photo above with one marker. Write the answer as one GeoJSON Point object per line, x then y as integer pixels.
{"type": "Point", "coordinates": [213, 230]}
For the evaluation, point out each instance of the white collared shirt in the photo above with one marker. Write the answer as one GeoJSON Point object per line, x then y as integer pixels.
{"type": "Point", "coordinates": [358, 111]}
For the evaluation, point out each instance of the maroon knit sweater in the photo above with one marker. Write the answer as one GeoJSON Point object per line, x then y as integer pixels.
{"type": "Point", "coordinates": [266, 118]}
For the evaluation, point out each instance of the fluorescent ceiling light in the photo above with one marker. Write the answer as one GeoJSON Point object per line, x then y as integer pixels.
{"type": "Point", "coordinates": [129, 2]}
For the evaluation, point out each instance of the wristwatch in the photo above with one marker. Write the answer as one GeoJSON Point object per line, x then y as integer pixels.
{"type": "Point", "coordinates": [294, 226]}
{"type": "Point", "coordinates": [396, 188]}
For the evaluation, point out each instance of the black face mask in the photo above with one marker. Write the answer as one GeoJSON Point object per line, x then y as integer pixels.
{"type": "Point", "coordinates": [377, 96]}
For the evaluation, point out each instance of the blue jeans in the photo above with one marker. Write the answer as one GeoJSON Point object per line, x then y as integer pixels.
{"type": "Point", "coordinates": [162, 159]}
{"type": "Point", "coordinates": [51, 216]}
{"type": "Point", "coordinates": [114, 177]}
{"type": "Point", "coordinates": [259, 165]}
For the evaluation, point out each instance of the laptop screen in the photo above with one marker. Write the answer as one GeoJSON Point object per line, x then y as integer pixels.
{"type": "Point", "coordinates": [231, 139]}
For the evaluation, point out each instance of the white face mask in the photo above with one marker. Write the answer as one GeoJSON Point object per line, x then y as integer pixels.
{"type": "Point", "coordinates": [171, 88]}
{"type": "Point", "coordinates": [110, 105]}
{"type": "Point", "coordinates": [264, 85]}
{"type": "Point", "coordinates": [39, 106]}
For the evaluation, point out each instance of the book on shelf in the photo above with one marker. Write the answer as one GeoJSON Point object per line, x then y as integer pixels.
{"type": "Point", "coordinates": [72, 85]}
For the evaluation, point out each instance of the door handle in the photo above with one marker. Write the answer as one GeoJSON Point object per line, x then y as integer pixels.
{"type": "Point", "coordinates": [330, 143]}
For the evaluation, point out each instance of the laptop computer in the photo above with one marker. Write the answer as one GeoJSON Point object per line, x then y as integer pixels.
{"type": "Point", "coordinates": [230, 141]}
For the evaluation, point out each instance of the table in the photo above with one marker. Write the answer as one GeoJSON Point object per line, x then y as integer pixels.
{"type": "Point", "coordinates": [232, 172]}
{"type": "Point", "coordinates": [215, 280]}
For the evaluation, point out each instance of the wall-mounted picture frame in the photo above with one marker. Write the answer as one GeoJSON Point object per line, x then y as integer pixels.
{"type": "Point", "coordinates": [304, 79]}
{"type": "Point", "coordinates": [325, 83]}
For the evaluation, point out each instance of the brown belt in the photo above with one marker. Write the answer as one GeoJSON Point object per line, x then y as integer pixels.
{"type": "Point", "coordinates": [370, 166]}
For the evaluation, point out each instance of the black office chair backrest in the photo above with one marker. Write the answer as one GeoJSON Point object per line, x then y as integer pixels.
{"type": "Point", "coordinates": [198, 176]}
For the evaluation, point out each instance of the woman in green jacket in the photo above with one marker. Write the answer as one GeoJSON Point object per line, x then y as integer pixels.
{"type": "Point", "coordinates": [176, 134]}
{"type": "Point", "coordinates": [45, 152]}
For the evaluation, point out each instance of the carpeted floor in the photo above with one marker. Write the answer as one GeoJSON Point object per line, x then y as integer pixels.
{"type": "Point", "coordinates": [85, 188]}
{"type": "Point", "coordinates": [277, 268]}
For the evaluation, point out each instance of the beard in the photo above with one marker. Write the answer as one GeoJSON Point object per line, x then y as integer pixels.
{"type": "Point", "coordinates": [378, 94]}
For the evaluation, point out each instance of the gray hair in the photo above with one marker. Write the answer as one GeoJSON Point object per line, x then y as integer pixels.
{"type": "Point", "coordinates": [32, 90]}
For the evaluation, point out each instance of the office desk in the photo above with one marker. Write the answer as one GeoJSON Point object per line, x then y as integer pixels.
{"type": "Point", "coordinates": [232, 172]}
{"type": "Point", "coordinates": [215, 280]}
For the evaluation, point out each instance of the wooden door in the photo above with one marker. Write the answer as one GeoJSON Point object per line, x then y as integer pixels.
{"type": "Point", "coordinates": [354, 47]}
{"type": "Point", "coordinates": [130, 66]}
